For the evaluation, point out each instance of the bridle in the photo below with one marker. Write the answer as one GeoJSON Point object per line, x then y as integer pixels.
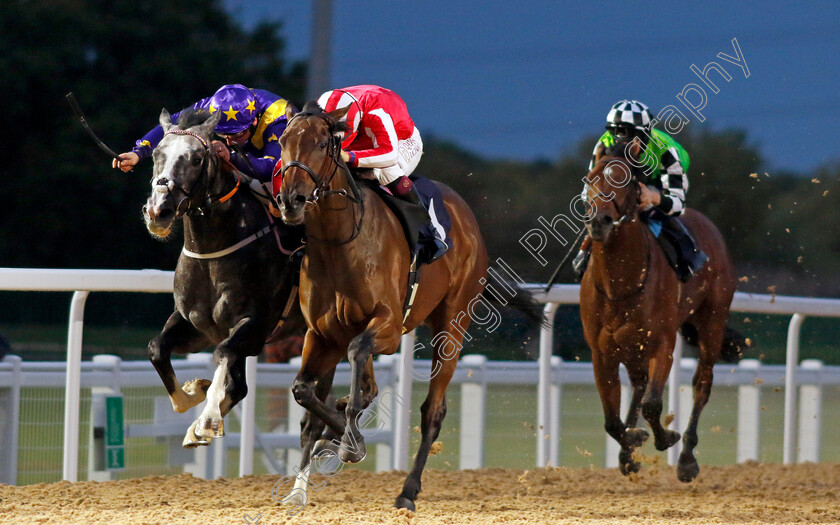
{"type": "Point", "coordinates": [188, 204]}
{"type": "Point", "coordinates": [630, 207]}
{"type": "Point", "coordinates": [322, 182]}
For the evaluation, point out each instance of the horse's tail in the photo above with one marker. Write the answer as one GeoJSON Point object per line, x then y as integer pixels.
{"type": "Point", "coordinates": [734, 343]}
{"type": "Point", "coordinates": [508, 294]}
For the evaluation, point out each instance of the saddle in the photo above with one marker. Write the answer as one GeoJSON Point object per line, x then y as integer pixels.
{"type": "Point", "coordinates": [413, 218]}
{"type": "Point", "coordinates": [677, 242]}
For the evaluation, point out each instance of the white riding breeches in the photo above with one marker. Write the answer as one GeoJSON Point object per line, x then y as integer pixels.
{"type": "Point", "coordinates": [409, 152]}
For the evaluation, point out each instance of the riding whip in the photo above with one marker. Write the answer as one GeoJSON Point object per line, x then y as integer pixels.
{"type": "Point", "coordinates": [78, 111]}
{"type": "Point", "coordinates": [560, 266]}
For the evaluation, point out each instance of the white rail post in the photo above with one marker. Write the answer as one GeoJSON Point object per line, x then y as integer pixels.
{"type": "Point", "coordinates": [544, 387]}
{"type": "Point", "coordinates": [810, 409]}
{"type": "Point", "coordinates": [473, 396]}
{"type": "Point", "coordinates": [749, 414]}
{"type": "Point", "coordinates": [72, 388]}
{"type": "Point", "coordinates": [10, 422]}
{"type": "Point", "coordinates": [791, 363]}
{"type": "Point", "coordinates": [611, 461]}
{"type": "Point", "coordinates": [384, 451]}
{"type": "Point", "coordinates": [295, 414]}
{"type": "Point", "coordinates": [248, 423]}
{"type": "Point", "coordinates": [402, 414]}
{"type": "Point", "coordinates": [97, 453]}
{"type": "Point", "coordinates": [554, 425]}
{"type": "Point", "coordinates": [674, 397]}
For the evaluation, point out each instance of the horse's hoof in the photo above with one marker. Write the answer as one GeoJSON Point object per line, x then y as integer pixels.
{"type": "Point", "coordinates": [634, 437]}
{"type": "Point", "coordinates": [626, 464]}
{"type": "Point", "coordinates": [297, 498]}
{"type": "Point", "coordinates": [197, 387]}
{"type": "Point", "coordinates": [323, 445]}
{"type": "Point", "coordinates": [210, 428]}
{"type": "Point", "coordinates": [669, 437]}
{"type": "Point", "coordinates": [341, 404]}
{"type": "Point", "coordinates": [404, 503]}
{"type": "Point", "coordinates": [687, 469]}
{"type": "Point", "coordinates": [192, 441]}
{"type": "Point", "coordinates": [352, 450]}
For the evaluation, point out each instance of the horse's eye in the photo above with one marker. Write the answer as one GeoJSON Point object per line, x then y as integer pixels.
{"type": "Point", "coordinates": [196, 160]}
{"type": "Point", "coordinates": [322, 145]}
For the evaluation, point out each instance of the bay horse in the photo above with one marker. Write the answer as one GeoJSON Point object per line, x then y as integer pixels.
{"type": "Point", "coordinates": [632, 304]}
{"type": "Point", "coordinates": [353, 284]}
{"type": "Point", "coordinates": [233, 284]}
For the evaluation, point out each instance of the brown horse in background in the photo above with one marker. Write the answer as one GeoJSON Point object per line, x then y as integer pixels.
{"type": "Point", "coordinates": [632, 305]}
{"type": "Point", "coordinates": [353, 284]}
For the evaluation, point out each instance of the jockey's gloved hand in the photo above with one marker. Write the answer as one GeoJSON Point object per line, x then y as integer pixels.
{"type": "Point", "coordinates": [127, 161]}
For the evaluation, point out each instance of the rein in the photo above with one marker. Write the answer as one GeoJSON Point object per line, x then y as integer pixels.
{"type": "Point", "coordinates": [166, 185]}
{"type": "Point", "coordinates": [322, 183]}
{"type": "Point", "coordinates": [631, 205]}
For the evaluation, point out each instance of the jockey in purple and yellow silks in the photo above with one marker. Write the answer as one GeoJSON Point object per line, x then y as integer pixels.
{"type": "Point", "coordinates": [252, 119]}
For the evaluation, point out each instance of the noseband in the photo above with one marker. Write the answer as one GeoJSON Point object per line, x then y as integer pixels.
{"type": "Point", "coordinates": [322, 183]}
{"type": "Point", "coordinates": [166, 185]}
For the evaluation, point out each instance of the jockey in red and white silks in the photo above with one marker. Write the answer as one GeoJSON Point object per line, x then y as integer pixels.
{"type": "Point", "coordinates": [380, 135]}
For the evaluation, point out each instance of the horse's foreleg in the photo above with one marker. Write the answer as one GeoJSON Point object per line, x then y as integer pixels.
{"type": "Point", "coordinates": [228, 386]}
{"type": "Point", "coordinates": [638, 380]}
{"type": "Point", "coordinates": [319, 361]}
{"type": "Point", "coordinates": [330, 440]}
{"type": "Point", "coordinates": [178, 336]}
{"type": "Point", "coordinates": [359, 352]}
{"type": "Point", "coordinates": [311, 427]}
{"type": "Point", "coordinates": [609, 387]}
{"type": "Point", "coordinates": [658, 368]}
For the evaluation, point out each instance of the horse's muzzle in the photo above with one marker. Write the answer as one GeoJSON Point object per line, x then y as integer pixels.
{"type": "Point", "coordinates": [159, 218]}
{"type": "Point", "coordinates": [599, 227]}
{"type": "Point", "coordinates": [292, 207]}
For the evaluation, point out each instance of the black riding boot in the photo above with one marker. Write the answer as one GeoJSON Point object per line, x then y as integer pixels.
{"type": "Point", "coordinates": [579, 263]}
{"type": "Point", "coordinates": [431, 252]}
{"type": "Point", "coordinates": [691, 256]}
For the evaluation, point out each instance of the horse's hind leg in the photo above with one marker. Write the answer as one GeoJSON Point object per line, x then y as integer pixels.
{"type": "Point", "coordinates": [432, 413]}
{"type": "Point", "coordinates": [658, 369]}
{"type": "Point", "coordinates": [710, 341]}
{"type": "Point", "coordinates": [181, 337]}
{"type": "Point", "coordinates": [609, 387]}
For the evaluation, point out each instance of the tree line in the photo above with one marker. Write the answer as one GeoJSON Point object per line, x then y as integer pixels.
{"type": "Point", "coordinates": [65, 208]}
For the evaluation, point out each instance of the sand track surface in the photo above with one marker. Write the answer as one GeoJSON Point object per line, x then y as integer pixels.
{"type": "Point", "coordinates": [750, 493]}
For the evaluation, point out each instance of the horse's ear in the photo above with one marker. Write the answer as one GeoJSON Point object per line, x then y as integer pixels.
{"type": "Point", "coordinates": [165, 120]}
{"type": "Point", "coordinates": [338, 114]}
{"type": "Point", "coordinates": [206, 129]}
{"type": "Point", "coordinates": [290, 112]}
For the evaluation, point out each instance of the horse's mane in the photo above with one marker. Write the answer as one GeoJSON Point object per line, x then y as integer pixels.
{"type": "Point", "coordinates": [312, 108]}
{"type": "Point", "coordinates": [192, 117]}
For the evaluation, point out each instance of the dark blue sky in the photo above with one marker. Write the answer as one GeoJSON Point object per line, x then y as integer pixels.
{"type": "Point", "coordinates": [529, 80]}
